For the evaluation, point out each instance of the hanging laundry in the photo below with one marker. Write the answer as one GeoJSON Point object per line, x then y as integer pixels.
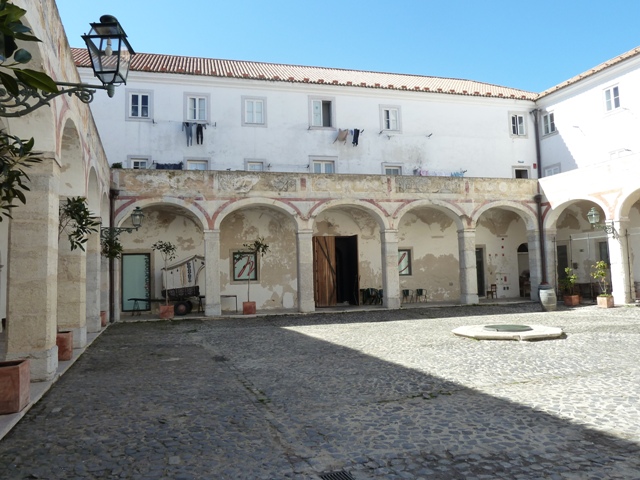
{"type": "Point", "coordinates": [188, 127]}
{"type": "Point", "coordinates": [199, 135]}
{"type": "Point", "coordinates": [356, 135]}
{"type": "Point", "coordinates": [342, 136]}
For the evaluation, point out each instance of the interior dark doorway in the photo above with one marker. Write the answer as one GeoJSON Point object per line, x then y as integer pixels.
{"type": "Point", "coordinates": [335, 270]}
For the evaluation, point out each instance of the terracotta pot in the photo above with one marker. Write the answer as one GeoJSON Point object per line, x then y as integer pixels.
{"type": "Point", "coordinates": [605, 302]}
{"type": "Point", "coordinates": [64, 341]}
{"type": "Point", "coordinates": [166, 311]}
{"type": "Point", "coordinates": [15, 379]}
{"type": "Point", "coordinates": [249, 308]}
{"type": "Point", "coordinates": [571, 300]}
{"type": "Point", "coordinates": [103, 318]}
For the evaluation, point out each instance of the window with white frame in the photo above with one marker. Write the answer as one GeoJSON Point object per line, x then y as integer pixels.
{"type": "Point", "coordinates": [139, 105]}
{"type": "Point", "coordinates": [548, 123]}
{"type": "Point", "coordinates": [390, 118]}
{"type": "Point", "coordinates": [197, 164]}
{"type": "Point", "coordinates": [196, 108]}
{"type": "Point", "coordinates": [392, 169]}
{"type": "Point", "coordinates": [254, 111]}
{"type": "Point", "coordinates": [518, 125]}
{"type": "Point", "coordinates": [611, 98]}
{"type": "Point", "coordinates": [404, 261]}
{"type": "Point", "coordinates": [323, 166]}
{"type": "Point", "coordinates": [254, 165]}
{"type": "Point", "coordinates": [322, 112]}
{"type": "Point", "coordinates": [552, 170]}
{"type": "Point", "coordinates": [138, 162]}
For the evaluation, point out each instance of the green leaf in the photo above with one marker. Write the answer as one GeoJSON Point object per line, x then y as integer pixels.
{"type": "Point", "coordinates": [9, 83]}
{"type": "Point", "coordinates": [39, 80]}
{"type": "Point", "coordinates": [22, 56]}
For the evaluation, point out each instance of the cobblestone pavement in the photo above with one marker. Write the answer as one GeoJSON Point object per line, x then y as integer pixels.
{"type": "Point", "coordinates": [363, 395]}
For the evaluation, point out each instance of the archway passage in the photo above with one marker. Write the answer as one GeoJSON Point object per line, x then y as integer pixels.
{"type": "Point", "coordinates": [335, 270]}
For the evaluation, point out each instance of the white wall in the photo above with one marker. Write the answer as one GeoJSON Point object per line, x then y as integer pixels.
{"type": "Point", "coordinates": [466, 133]}
{"type": "Point", "coordinates": [586, 133]}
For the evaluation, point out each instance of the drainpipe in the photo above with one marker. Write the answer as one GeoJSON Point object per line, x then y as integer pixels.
{"type": "Point", "coordinates": [538, 200]}
{"type": "Point", "coordinates": [113, 194]}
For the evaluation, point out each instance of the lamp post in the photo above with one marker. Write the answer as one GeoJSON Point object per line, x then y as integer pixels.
{"type": "Point", "coordinates": [110, 54]}
{"type": "Point", "coordinates": [594, 219]}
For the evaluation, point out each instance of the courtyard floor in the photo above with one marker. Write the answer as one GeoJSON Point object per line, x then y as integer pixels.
{"type": "Point", "coordinates": [357, 394]}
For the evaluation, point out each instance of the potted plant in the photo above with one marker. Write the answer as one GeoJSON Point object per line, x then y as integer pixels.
{"type": "Point", "coordinates": [599, 273]}
{"type": "Point", "coordinates": [168, 252]}
{"type": "Point", "coordinates": [250, 256]}
{"type": "Point", "coordinates": [567, 284]}
{"type": "Point", "coordinates": [76, 221]}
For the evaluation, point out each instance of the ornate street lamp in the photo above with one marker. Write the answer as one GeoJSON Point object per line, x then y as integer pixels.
{"type": "Point", "coordinates": [110, 54]}
{"type": "Point", "coordinates": [594, 219]}
{"type": "Point", "coordinates": [110, 233]}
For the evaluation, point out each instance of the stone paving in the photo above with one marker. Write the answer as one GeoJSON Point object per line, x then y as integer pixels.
{"type": "Point", "coordinates": [362, 395]}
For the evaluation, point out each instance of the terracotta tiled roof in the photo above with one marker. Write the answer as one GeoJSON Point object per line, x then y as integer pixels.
{"type": "Point", "coordinates": [147, 62]}
{"type": "Point", "coordinates": [593, 71]}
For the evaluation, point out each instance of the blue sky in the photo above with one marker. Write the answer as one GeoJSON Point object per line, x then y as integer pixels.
{"type": "Point", "coordinates": [526, 45]}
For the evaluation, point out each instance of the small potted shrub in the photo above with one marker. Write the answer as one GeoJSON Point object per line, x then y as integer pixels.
{"type": "Point", "coordinates": [567, 284]}
{"type": "Point", "coordinates": [168, 252]}
{"type": "Point", "coordinates": [251, 252]}
{"type": "Point", "coordinates": [599, 274]}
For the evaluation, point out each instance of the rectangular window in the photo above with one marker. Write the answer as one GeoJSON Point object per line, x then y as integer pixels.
{"type": "Point", "coordinates": [245, 266]}
{"type": "Point", "coordinates": [404, 261]}
{"type": "Point", "coordinates": [197, 165]}
{"type": "Point", "coordinates": [138, 164]}
{"type": "Point", "coordinates": [196, 108]}
{"type": "Point", "coordinates": [548, 124]}
{"type": "Point", "coordinates": [392, 170]}
{"type": "Point", "coordinates": [139, 104]}
{"type": "Point", "coordinates": [552, 170]}
{"type": "Point", "coordinates": [390, 118]}
{"type": "Point", "coordinates": [322, 113]}
{"type": "Point", "coordinates": [254, 111]}
{"type": "Point", "coordinates": [323, 166]}
{"type": "Point", "coordinates": [517, 125]}
{"type": "Point", "coordinates": [521, 173]}
{"type": "Point", "coordinates": [254, 166]}
{"type": "Point", "coordinates": [611, 98]}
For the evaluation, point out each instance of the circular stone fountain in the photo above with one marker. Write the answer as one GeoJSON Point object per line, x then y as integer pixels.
{"type": "Point", "coordinates": [508, 332]}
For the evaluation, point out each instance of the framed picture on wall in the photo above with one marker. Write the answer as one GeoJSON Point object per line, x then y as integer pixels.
{"type": "Point", "coordinates": [245, 266]}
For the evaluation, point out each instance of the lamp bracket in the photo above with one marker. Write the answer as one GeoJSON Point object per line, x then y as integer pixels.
{"type": "Point", "coordinates": [608, 228]}
{"type": "Point", "coordinates": [111, 233]}
{"type": "Point", "coordinates": [30, 99]}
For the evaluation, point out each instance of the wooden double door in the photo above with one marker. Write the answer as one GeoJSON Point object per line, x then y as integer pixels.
{"type": "Point", "coordinates": [335, 270]}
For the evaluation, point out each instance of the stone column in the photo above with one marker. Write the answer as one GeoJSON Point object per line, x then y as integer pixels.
{"type": "Point", "coordinates": [535, 263]}
{"type": "Point", "coordinates": [390, 276]}
{"type": "Point", "coordinates": [621, 276]}
{"type": "Point", "coordinates": [468, 270]}
{"type": "Point", "coordinates": [306, 297]}
{"type": "Point", "coordinates": [212, 305]}
{"type": "Point", "coordinates": [32, 274]}
{"type": "Point", "coordinates": [93, 282]}
{"type": "Point", "coordinates": [72, 294]}
{"type": "Point", "coordinates": [550, 257]}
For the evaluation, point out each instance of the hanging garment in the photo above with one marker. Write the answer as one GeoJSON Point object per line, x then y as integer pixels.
{"type": "Point", "coordinates": [356, 134]}
{"type": "Point", "coordinates": [199, 135]}
{"type": "Point", "coordinates": [342, 136]}
{"type": "Point", "coordinates": [188, 127]}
